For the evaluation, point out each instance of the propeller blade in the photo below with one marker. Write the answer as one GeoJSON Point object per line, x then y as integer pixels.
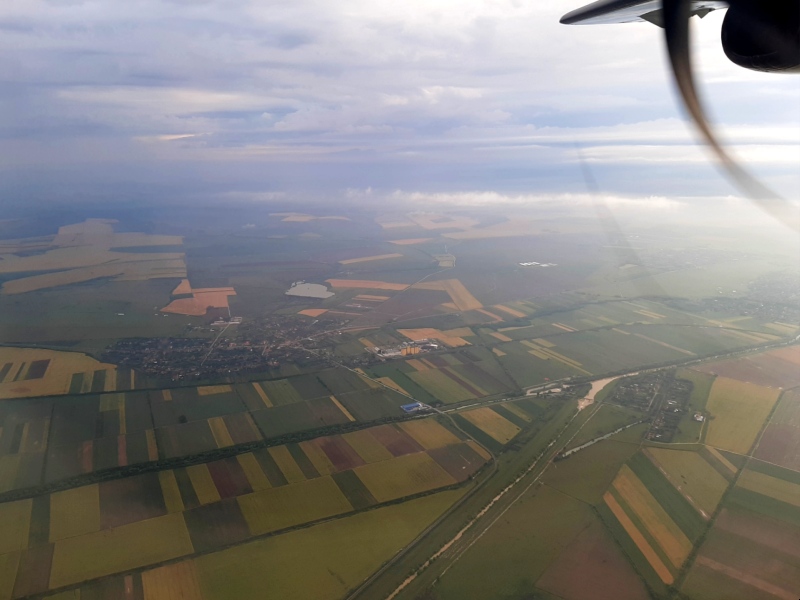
{"type": "Point", "coordinates": [676, 15]}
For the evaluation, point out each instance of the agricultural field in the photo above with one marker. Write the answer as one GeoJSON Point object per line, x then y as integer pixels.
{"type": "Point", "coordinates": [196, 301]}
{"type": "Point", "coordinates": [777, 369]}
{"type": "Point", "coordinates": [208, 506]}
{"type": "Point", "coordinates": [520, 548]}
{"type": "Point", "coordinates": [114, 485]}
{"type": "Point", "coordinates": [693, 476]}
{"type": "Point", "coordinates": [339, 554]}
{"type": "Point", "coordinates": [737, 410]}
{"type": "Point", "coordinates": [54, 439]}
{"type": "Point", "coordinates": [656, 522]}
{"type": "Point", "coordinates": [690, 430]}
{"type": "Point", "coordinates": [752, 549]}
{"type": "Point", "coordinates": [780, 443]}
{"type": "Point", "coordinates": [26, 372]}
{"type": "Point", "coordinates": [85, 251]}
{"type": "Point", "coordinates": [604, 420]}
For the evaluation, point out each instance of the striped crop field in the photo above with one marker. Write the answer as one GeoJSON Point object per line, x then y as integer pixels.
{"type": "Point", "coordinates": [497, 427]}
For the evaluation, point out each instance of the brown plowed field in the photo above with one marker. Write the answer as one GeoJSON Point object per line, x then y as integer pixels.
{"type": "Point", "coordinates": [340, 453]}
{"type": "Point", "coordinates": [780, 443]}
{"type": "Point", "coordinates": [754, 551]}
{"type": "Point", "coordinates": [395, 441]}
{"type": "Point", "coordinates": [778, 368]}
{"type": "Point", "coordinates": [592, 567]}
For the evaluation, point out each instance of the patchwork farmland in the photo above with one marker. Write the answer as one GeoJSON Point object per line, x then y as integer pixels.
{"type": "Point", "coordinates": [101, 529]}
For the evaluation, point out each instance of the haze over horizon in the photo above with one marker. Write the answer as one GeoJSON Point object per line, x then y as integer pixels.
{"type": "Point", "coordinates": [410, 102]}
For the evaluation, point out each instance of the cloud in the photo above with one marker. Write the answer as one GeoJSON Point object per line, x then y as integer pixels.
{"type": "Point", "coordinates": [324, 96]}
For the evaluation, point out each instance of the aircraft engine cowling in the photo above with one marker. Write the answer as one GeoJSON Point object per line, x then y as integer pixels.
{"type": "Point", "coordinates": [763, 35]}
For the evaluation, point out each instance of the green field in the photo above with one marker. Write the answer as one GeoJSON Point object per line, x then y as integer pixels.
{"type": "Point", "coordinates": [587, 474]}
{"type": "Point", "coordinates": [517, 549]}
{"type": "Point", "coordinates": [335, 556]}
{"type": "Point", "coordinates": [605, 420]}
{"type": "Point", "coordinates": [690, 430]}
{"type": "Point", "coordinates": [690, 472]}
{"type": "Point", "coordinates": [737, 411]}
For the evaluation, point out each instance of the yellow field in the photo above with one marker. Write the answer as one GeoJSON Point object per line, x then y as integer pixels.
{"type": "Point", "coordinates": [282, 507]}
{"type": "Point", "coordinates": [287, 464]}
{"type": "Point", "coordinates": [498, 352]}
{"type": "Point", "coordinates": [82, 252]}
{"type": "Point", "coordinates": [371, 297]}
{"type": "Point", "coordinates": [252, 470]}
{"type": "Point", "coordinates": [366, 284]}
{"type": "Point", "coordinates": [510, 228]}
{"type": "Point", "coordinates": [210, 390]}
{"type": "Point", "coordinates": [202, 299]}
{"type": "Point", "coordinates": [313, 312]}
{"type": "Point", "coordinates": [172, 582]}
{"type": "Point", "coordinates": [655, 519]}
{"type": "Point", "coordinates": [123, 548]}
{"type": "Point", "coordinates": [429, 434]}
{"type": "Point", "coordinates": [644, 546]}
{"type": "Point", "coordinates": [15, 519]}
{"type": "Point", "coordinates": [172, 494]}
{"type": "Point", "coordinates": [546, 353]}
{"type": "Point", "coordinates": [367, 447]}
{"type": "Point", "coordinates": [74, 512]}
{"type": "Point", "coordinates": [501, 336]}
{"type": "Point", "coordinates": [459, 294]}
{"type": "Point", "coordinates": [203, 484]}
{"type": "Point", "coordinates": [220, 432]}
{"type": "Point", "coordinates": [737, 411]}
{"type": "Point", "coordinates": [459, 332]}
{"type": "Point", "coordinates": [403, 476]}
{"type": "Point", "coordinates": [441, 386]}
{"type": "Point", "coordinates": [9, 563]}
{"type": "Point", "coordinates": [262, 394]}
{"type": "Point", "coordinates": [428, 333]}
{"type": "Point", "coordinates": [58, 375]}
{"type": "Point", "coordinates": [391, 383]}
{"type": "Point", "coordinates": [410, 241]}
{"type": "Point", "coordinates": [511, 311]}
{"type": "Point", "coordinates": [492, 424]}
{"type": "Point", "coordinates": [690, 473]}
{"type": "Point", "coordinates": [341, 407]}
{"type": "Point", "coordinates": [766, 485]}
{"type": "Point", "coordinates": [72, 276]}
{"type": "Point", "coordinates": [417, 364]}
{"type": "Point", "coordinates": [352, 261]}
{"type": "Point", "coordinates": [490, 315]}
{"type": "Point", "coordinates": [318, 458]}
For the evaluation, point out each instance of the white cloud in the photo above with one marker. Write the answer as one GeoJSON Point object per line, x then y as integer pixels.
{"type": "Point", "coordinates": [423, 89]}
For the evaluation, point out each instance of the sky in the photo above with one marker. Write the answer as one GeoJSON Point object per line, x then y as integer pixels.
{"type": "Point", "coordinates": [450, 101]}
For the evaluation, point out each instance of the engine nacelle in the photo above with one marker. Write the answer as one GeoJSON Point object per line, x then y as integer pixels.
{"type": "Point", "coordinates": [763, 35]}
